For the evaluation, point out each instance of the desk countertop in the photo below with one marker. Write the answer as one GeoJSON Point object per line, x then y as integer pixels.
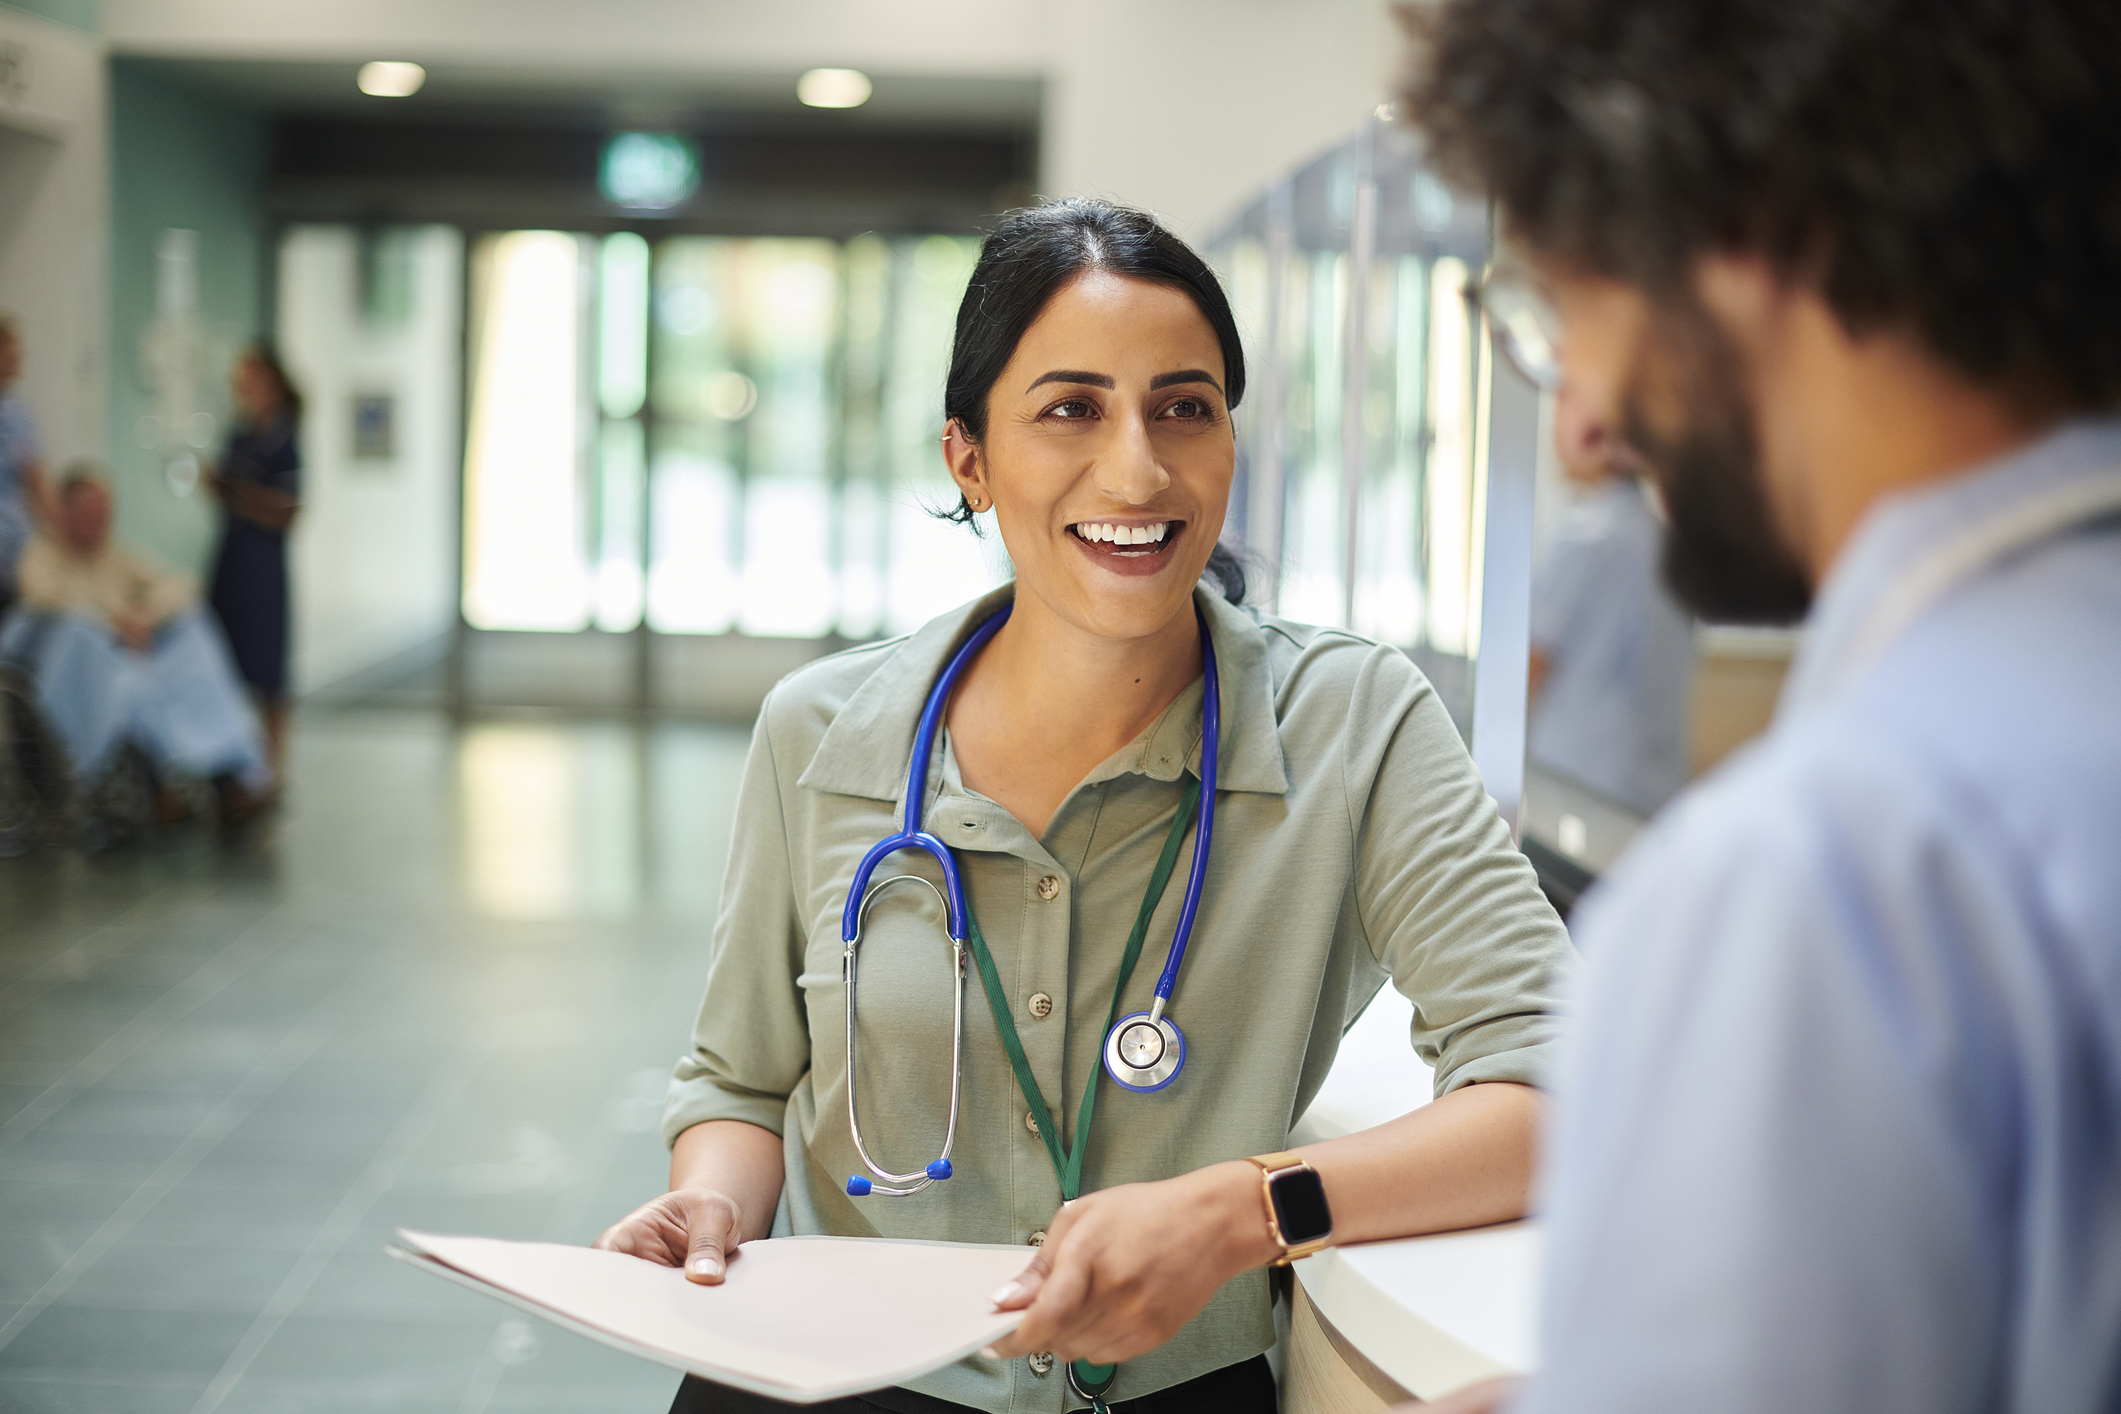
{"type": "Point", "coordinates": [1434, 1313]}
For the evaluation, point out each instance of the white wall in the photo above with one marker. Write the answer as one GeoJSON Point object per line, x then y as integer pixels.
{"type": "Point", "coordinates": [373, 557]}
{"type": "Point", "coordinates": [54, 178]}
{"type": "Point", "coordinates": [1183, 106]}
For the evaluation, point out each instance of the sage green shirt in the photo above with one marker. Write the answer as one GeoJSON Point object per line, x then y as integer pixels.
{"type": "Point", "coordinates": [1353, 845]}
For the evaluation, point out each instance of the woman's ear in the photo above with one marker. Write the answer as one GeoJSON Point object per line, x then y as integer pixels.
{"type": "Point", "coordinates": [967, 466]}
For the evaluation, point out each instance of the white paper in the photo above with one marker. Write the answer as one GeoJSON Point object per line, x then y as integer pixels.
{"type": "Point", "coordinates": [798, 1318]}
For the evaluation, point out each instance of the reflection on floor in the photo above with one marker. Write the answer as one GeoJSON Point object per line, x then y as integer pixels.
{"type": "Point", "coordinates": [444, 993]}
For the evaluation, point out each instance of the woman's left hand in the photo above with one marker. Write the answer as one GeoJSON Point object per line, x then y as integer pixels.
{"type": "Point", "coordinates": [1122, 1269]}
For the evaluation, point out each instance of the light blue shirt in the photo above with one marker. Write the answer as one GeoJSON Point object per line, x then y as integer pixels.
{"type": "Point", "coordinates": [18, 447]}
{"type": "Point", "coordinates": [1619, 651]}
{"type": "Point", "coordinates": [1839, 1124]}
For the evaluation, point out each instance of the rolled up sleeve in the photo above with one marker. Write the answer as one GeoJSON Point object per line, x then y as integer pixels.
{"type": "Point", "coordinates": [751, 1041]}
{"type": "Point", "coordinates": [1452, 910]}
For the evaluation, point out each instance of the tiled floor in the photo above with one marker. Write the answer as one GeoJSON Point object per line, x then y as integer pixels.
{"type": "Point", "coordinates": [442, 993]}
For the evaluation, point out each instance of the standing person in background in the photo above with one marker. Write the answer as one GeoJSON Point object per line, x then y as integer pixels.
{"type": "Point", "coordinates": [258, 482]}
{"type": "Point", "coordinates": [1612, 651]}
{"type": "Point", "coordinates": [25, 492]}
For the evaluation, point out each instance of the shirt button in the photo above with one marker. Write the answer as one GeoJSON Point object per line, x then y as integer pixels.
{"type": "Point", "coordinates": [1041, 1364]}
{"type": "Point", "coordinates": [1031, 1121]}
{"type": "Point", "coordinates": [1041, 1005]}
{"type": "Point", "coordinates": [1049, 888]}
{"type": "Point", "coordinates": [1038, 1239]}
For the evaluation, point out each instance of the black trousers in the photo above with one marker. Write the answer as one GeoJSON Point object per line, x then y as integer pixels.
{"type": "Point", "coordinates": [1246, 1388]}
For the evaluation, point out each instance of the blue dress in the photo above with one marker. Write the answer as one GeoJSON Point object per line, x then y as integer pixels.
{"type": "Point", "coordinates": [250, 569]}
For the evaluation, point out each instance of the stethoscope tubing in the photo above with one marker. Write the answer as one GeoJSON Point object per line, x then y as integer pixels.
{"type": "Point", "coordinates": [957, 915]}
{"type": "Point", "coordinates": [1211, 721]}
{"type": "Point", "coordinates": [922, 1177]}
{"type": "Point", "coordinates": [912, 836]}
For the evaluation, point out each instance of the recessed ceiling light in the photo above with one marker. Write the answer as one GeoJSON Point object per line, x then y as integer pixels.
{"type": "Point", "coordinates": [391, 78]}
{"type": "Point", "coordinates": [833, 88]}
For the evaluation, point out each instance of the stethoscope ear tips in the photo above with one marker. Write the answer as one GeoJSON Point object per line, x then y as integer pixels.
{"type": "Point", "coordinates": [859, 1187]}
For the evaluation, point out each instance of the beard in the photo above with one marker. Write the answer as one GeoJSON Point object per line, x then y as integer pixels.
{"type": "Point", "coordinates": [1724, 558]}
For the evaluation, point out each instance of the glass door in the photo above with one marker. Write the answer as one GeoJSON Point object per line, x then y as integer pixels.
{"type": "Point", "coordinates": [526, 564]}
{"type": "Point", "coordinates": [710, 437]}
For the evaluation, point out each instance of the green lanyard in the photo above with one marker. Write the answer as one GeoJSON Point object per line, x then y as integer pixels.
{"type": "Point", "coordinates": [1069, 1169]}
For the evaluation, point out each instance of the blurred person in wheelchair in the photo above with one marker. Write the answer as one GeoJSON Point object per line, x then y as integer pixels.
{"type": "Point", "coordinates": [129, 673]}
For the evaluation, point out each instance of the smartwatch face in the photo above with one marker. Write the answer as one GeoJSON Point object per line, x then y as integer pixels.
{"type": "Point", "coordinates": [1300, 1206]}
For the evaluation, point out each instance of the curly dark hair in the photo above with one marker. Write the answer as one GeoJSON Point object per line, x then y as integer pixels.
{"type": "Point", "coordinates": [1950, 169]}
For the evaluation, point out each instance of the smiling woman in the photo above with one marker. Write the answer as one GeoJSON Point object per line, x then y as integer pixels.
{"type": "Point", "coordinates": [1026, 262]}
{"type": "Point", "coordinates": [1068, 732]}
{"type": "Point", "coordinates": [1087, 407]}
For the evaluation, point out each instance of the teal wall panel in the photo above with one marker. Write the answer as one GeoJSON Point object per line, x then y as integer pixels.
{"type": "Point", "coordinates": [180, 159]}
{"type": "Point", "coordinates": [75, 14]}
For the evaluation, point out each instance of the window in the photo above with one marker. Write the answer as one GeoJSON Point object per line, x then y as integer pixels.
{"type": "Point", "coordinates": [713, 434]}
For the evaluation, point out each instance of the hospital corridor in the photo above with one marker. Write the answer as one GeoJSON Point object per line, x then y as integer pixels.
{"type": "Point", "coordinates": [987, 707]}
{"type": "Point", "coordinates": [443, 996]}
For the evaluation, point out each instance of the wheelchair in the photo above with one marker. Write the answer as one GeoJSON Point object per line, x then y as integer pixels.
{"type": "Point", "coordinates": [41, 801]}
{"type": "Point", "coordinates": [35, 781]}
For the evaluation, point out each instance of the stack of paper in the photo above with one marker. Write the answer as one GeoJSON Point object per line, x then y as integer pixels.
{"type": "Point", "coordinates": [799, 1318]}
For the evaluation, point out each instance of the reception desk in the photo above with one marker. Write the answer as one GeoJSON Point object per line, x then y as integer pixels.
{"type": "Point", "coordinates": [1383, 1322]}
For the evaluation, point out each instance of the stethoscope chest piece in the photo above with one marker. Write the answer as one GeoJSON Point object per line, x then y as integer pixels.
{"type": "Point", "coordinates": [1144, 1052]}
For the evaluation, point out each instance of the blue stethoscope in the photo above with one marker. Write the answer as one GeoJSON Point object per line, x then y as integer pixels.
{"type": "Point", "coordinates": [1143, 1051]}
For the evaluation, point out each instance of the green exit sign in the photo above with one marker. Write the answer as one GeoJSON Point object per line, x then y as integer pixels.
{"type": "Point", "coordinates": [649, 171]}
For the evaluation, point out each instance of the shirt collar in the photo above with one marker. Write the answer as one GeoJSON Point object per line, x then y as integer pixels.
{"type": "Point", "coordinates": [869, 746]}
{"type": "Point", "coordinates": [1913, 548]}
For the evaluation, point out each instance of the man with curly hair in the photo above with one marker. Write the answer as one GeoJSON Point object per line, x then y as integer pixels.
{"type": "Point", "coordinates": [1840, 1123]}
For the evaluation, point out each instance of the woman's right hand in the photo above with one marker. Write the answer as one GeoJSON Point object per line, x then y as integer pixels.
{"type": "Point", "coordinates": [693, 1228]}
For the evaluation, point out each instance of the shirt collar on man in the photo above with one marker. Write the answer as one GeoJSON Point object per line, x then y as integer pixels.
{"type": "Point", "coordinates": [1913, 548]}
{"type": "Point", "coordinates": [868, 747]}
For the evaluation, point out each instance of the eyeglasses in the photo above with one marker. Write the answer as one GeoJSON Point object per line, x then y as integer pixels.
{"type": "Point", "coordinates": [1523, 322]}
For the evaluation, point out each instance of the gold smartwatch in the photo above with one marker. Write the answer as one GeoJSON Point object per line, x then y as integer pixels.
{"type": "Point", "coordinates": [1297, 1216]}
